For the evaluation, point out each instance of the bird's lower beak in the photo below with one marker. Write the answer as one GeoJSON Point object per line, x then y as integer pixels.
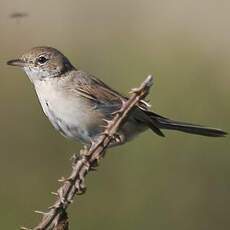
{"type": "Point", "coordinates": [16, 62]}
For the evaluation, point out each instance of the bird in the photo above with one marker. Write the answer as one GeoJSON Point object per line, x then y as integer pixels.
{"type": "Point", "coordinates": [77, 103]}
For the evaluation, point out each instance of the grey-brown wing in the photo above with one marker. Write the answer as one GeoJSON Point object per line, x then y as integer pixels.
{"type": "Point", "coordinates": [96, 89]}
{"type": "Point", "coordinates": [93, 89]}
{"type": "Point", "coordinates": [108, 100]}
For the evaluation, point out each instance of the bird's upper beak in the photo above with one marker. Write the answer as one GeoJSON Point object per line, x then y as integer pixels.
{"type": "Point", "coordinates": [16, 62]}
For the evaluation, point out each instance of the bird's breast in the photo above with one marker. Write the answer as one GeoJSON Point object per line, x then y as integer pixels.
{"type": "Point", "coordinates": [70, 114]}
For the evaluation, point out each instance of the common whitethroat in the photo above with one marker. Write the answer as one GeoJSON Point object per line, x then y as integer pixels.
{"type": "Point", "coordinates": [76, 102]}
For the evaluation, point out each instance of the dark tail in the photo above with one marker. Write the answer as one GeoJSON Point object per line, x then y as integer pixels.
{"type": "Point", "coordinates": [165, 123]}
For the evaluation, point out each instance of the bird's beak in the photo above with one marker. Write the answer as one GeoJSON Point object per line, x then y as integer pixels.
{"type": "Point", "coordinates": [16, 62]}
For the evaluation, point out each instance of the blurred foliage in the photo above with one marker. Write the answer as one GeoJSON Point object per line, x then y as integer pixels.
{"type": "Point", "coordinates": [178, 182]}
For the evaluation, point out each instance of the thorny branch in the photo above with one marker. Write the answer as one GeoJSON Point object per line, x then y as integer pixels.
{"type": "Point", "coordinates": [56, 217]}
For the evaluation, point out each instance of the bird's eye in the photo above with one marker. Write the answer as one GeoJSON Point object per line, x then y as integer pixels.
{"type": "Point", "coordinates": [42, 60]}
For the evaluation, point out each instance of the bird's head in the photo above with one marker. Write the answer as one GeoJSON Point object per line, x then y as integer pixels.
{"type": "Point", "coordinates": [42, 63]}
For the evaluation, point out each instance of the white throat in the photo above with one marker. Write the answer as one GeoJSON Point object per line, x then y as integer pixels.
{"type": "Point", "coordinates": [37, 73]}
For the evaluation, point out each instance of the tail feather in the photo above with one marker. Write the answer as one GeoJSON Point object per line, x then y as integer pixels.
{"type": "Point", "coordinates": [165, 123]}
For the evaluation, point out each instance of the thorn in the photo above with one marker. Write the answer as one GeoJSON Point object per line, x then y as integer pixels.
{"type": "Point", "coordinates": [93, 143]}
{"type": "Point", "coordinates": [134, 90]}
{"type": "Point", "coordinates": [62, 179]}
{"type": "Point", "coordinates": [24, 228]}
{"type": "Point", "coordinates": [62, 200]}
{"type": "Point", "coordinates": [40, 212]}
{"type": "Point", "coordinates": [54, 193]}
{"type": "Point", "coordinates": [105, 120]}
{"type": "Point", "coordinates": [103, 126]}
{"type": "Point", "coordinates": [115, 112]}
{"type": "Point", "coordinates": [120, 111]}
{"type": "Point", "coordinates": [53, 207]}
{"type": "Point", "coordinates": [145, 103]}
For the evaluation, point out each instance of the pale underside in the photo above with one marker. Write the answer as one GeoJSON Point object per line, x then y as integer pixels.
{"type": "Point", "coordinates": [76, 108]}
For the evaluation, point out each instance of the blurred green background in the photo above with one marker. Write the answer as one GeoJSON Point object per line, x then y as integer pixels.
{"type": "Point", "coordinates": [180, 182]}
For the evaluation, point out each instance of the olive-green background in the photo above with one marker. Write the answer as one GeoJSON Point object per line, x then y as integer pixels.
{"type": "Point", "coordinates": [181, 182]}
